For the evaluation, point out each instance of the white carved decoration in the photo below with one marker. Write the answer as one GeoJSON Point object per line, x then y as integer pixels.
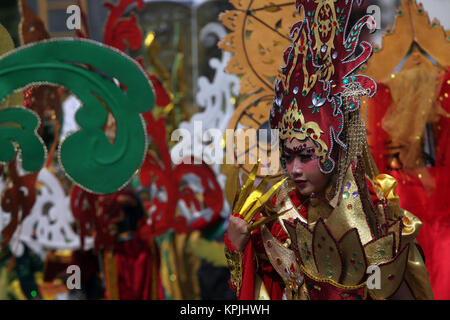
{"type": "Point", "coordinates": [48, 226]}
{"type": "Point", "coordinates": [70, 106]}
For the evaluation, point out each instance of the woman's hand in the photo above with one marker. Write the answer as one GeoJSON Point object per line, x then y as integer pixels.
{"type": "Point", "coordinates": [238, 233]}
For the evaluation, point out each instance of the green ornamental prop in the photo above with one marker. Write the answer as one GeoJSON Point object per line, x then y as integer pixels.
{"type": "Point", "coordinates": [104, 80]}
{"type": "Point", "coordinates": [20, 125]}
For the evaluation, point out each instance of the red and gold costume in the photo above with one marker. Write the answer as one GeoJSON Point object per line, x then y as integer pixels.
{"type": "Point", "coordinates": [267, 267]}
{"type": "Point", "coordinates": [330, 247]}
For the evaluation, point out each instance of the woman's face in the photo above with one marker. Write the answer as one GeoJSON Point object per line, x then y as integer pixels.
{"type": "Point", "coordinates": [303, 168]}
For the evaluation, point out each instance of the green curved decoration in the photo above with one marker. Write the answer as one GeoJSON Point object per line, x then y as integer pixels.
{"type": "Point", "coordinates": [91, 71]}
{"type": "Point", "coordinates": [20, 125]}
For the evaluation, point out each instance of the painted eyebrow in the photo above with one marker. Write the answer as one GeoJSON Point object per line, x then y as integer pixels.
{"type": "Point", "coordinates": [301, 150]}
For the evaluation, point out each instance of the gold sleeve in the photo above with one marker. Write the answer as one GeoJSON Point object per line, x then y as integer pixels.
{"type": "Point", "coordinates": [234, 261]}
{"type": "Point", "coordinates": [416, 275]}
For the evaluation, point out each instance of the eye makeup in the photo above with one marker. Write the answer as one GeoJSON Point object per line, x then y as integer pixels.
{"type": "Point", "coordinates": [305, 154]}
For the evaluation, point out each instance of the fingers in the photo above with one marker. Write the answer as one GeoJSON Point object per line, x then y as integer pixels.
{"type": "Point", "coordinates": [238, 224]}
{"type": "Point", "coordinates": [238, 233]}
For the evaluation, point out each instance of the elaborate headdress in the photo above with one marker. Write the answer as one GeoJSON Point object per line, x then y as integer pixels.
{"type": "Point", "coordinates": [316, 93]}
{"type": "Point", "coordinates": [317, 97]}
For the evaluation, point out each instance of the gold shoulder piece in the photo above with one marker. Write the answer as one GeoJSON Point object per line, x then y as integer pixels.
{"type": "Point", "coordinates": [416, 274]}
{"type": "Point", "coordinates": [411, 227]}
{"type": "Point", "coordinates": [417, 277]}
{"type": "Point", "coordinates": [392, 275]}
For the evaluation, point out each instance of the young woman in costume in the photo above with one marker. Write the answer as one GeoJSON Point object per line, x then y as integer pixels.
{"type": "Point", "coordinates": [334, 229]}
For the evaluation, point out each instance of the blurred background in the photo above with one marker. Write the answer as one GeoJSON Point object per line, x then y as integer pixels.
{"type": "Point", "coordinates": [132, 245]}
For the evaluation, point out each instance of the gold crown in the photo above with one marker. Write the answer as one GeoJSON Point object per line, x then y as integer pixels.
{"type": "Point", "coordinates": [292, 119]}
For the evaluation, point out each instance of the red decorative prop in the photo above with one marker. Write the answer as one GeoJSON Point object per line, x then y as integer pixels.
{"type": "Point", "coordinates": [31, 27]}
{"type": "Point", "coordinates": [164, 218]}
{"type": "Point", "coordinates": [97, 215]}
{"type": "Point", "coordinates": [19, 197]}
{"type": "Point", "coordinates": [82, 204]}
{"type": "Point", "coordinates": [118, 29]}
{"type": "Point", "coordinates": [85, 30]}
{"type": "Point", "coordinates": [162, 97]}
{"type": "Point", "coordinates": [122, 33]}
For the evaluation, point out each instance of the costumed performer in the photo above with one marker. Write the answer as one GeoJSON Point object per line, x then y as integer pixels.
{"type": "Point", "coordinates": [333, 229]}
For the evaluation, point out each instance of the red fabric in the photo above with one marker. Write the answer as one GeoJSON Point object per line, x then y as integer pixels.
{"type": "Point", "coordinates": [297, 201]}
{"type": "Point", "coordinates": [228, 243]}
{"type": "Point", "coordinates": [248, 277]}
{"type": "Point", "coordinates": [270, 277]}
{"type": "Point", "coordinates": [134, 266]}
{"type": "Point", "coordinates": [435, 234]}
{"type": "Point", "coordinates": [237, 215]}
{"type": "Point", "coordinates": [431, 206]}
{"type": "Point", "coordinates": [434, 209]}
{"type": "Point", "coordinates": [272, 281]}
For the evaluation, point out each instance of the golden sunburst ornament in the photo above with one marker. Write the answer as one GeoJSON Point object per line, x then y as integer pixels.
{"type": "Point", "coordinates": [259, 35]}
